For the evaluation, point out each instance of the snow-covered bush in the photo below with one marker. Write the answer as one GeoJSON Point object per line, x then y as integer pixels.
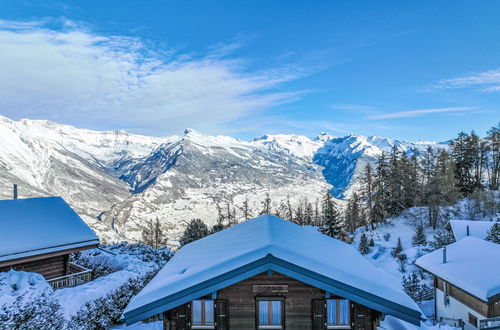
{"type": "Point", "coordinates": [102, 312]}
{"type": "Point", "coordinates": [26, 302]}
{"type": "Point", "coordinates": [387, 237]}
{"type": "Point", "coordinates": [402, 261]}
{"type": "Point", "coordinates": [414, 286]}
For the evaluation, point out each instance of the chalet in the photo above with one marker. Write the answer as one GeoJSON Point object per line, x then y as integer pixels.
{"type": "Point", "coordinates": [38, 234]}
{"type": "Point", "coordinates": [466, 282]}
{"type": "Point", "coordinates": [463, 228]}
{"type": "Point", "coordinates": [268, 273]}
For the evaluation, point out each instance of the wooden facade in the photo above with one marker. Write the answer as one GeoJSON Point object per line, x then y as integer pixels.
{"type": "Point", "coordinates": [488, 309]}
{"type": "Point", "coordinates": [304, 306]}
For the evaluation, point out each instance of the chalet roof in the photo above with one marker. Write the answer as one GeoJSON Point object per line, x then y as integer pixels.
{"type": "Point", "coordinates": [35, 226]}
{"type": "Point", "coordinates": [270, 243]}
{"type": "Point", "coordinates": [477, 228]}
{"type": "Point", "coordinates": [473, 265]}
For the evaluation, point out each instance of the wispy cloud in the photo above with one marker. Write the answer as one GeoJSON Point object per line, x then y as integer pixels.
{"type": "Point", "coordinates": [488, 81]}
{"type": "Point", "coordinates": [76, 76]}
{"type": "Point", "coordinates": [418, 113]}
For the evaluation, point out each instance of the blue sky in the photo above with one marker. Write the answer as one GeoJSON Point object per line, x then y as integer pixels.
{"type": "Point", "coordinates": [415, 70]}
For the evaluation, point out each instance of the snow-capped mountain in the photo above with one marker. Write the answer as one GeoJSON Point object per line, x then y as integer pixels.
{"type": "Point", "coordinates": [117, 181]}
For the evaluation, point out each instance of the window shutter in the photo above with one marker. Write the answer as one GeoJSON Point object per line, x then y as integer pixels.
{"type": "Point", "coordinates": [221, 311]}
{"type": "Point", "coordinates": [183, 317]}
{"type": "Point", "coordinates": [318, 314]}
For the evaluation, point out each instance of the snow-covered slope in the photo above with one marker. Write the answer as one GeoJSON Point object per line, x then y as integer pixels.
{"type": "Point", "coordinates": [117, 180]}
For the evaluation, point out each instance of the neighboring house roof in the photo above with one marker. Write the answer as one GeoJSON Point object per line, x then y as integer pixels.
{"type": "Point", "coordinates": [268, 243]}
{"type": "Point", "coordinates": [472, 264]}
{"type": "Point", "coordinates": [34, 226]}
{"type": "Point", "coordinates": [477, 229]}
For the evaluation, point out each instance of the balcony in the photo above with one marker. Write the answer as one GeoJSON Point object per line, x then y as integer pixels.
{"type": "Point", "coordinates": [492, 323]}
{"type": "Point", "coordinates": [77, 275]}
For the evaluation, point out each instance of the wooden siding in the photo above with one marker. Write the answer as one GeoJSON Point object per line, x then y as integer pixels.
{"type": "Point", "coordinates": [50, 267]}
{"type": "Point", "coordinates": [465, 298]}
{"type": "Point", "coordinates": [298, 300]}
{"type": "Point", "coordinates": [494, 306]}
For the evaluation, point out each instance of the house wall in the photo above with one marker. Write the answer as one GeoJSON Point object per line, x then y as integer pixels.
{"type": "Point", "coordinates": [297, 298]}
{"type": "Point", "coordinates": [454, 310]}
{"type": "Point", "coordinates": [49, 267]}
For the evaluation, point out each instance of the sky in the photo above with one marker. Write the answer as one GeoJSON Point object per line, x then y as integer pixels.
{"type": "Point", "coordinates": [412, 70]}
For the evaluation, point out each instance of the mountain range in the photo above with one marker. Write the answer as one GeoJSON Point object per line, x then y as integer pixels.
{"type": "Point", "coordinates": [119, 181]}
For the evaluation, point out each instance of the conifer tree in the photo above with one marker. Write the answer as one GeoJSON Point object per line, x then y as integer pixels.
{"type": "Point", "coordinates": [419, 236]}
{"type": "Point", "coordinates": [440, 239]}
{"type": "Point", "coordinates": [402, 260]}
{"type": "Point", "coordinates": [412, 286]}
{"type": "Point", "coordinates": [494, 233]}
{"type": "Point", "coordinates": [266, 205]}
{"type": "Point", "coordinates": [247, 212]}
{"type": "Point", "coordinates": [398, 249]}
{"type": "Point", "coordinates": [195, 230]}
{"type": "Point", "coordinates": [331, 218]}
{"type": "Point", "coordinates": [363, 244]}
{"type": "Point", "coordinates": [308, 213]}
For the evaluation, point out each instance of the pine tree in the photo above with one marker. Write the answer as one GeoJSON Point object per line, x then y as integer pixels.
{"type": "Point", "coordinates": [247, 212]}
{"type": "Point", "coordinates": [308, 214]}
{"type": "Point", "coordinates": [398, 249]}
{"type": "Point", "coordinates": [299, 215]}
{"type": "Point", "coordinates": [412, 287]}
{"type": "Point", "coordinates": [331, 218]}
{"type": "Point", "coordinates": [419, 236]}
{"type": "Point", "coordinates": [493, 159]}
{"type": "Point", "coordinates": [195, 230]}
{"type": "Point", "coordinates": [154, 234]}
{"type": "Point", "coordinates": [440, 239]}
{"type": "Point", "coordinates": [371, 243]}
{"type": "Point", "coordinates": [494, 233]}
{"type": "Point", "coordinates": [363, 244]}
{"type": "Point", "coordinates": [402, 260]}
{"type": "Point", "coordinates": [266, 205]}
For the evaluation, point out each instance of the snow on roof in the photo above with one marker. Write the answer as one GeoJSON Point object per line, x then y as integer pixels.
{"type": "Point", "coordinates": [477, 229]}
{"type": "Point", "coordinates": [254, 239]}
{"type": "Point", "coordinates": [473, 265]}
{"type": "Point", "coordinates": [36, 226]}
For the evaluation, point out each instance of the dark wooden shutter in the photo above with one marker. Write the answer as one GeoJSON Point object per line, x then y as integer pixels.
{"type": "Point", "coordinates": [183, 317]}
{"type": "Point", "coordinates": [221, 311]}
{"type": "Point", "coordinates": [362, 317]}
{"type": "Point", "coordinates": [318, 314]}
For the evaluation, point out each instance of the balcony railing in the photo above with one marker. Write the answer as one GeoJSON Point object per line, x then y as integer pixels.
{"type": "Point", "coordinates": [492, 323]}
{"type": "Point", "coordinates": [78, 275]}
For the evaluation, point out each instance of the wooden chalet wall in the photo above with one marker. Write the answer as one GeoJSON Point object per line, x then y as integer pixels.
{"type": "Point", "coordinates": [487, 309]}
{"type": "Point", "coordinates": [298, 300]}
{"type": "Point", "coordinates": [49, 267]}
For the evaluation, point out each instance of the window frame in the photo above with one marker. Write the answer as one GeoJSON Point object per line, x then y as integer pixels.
{"type": "Point", "coordinates": [269, 300]}
{"type": "Point", "coordinates": [203, 324]}
{"type": "Point", "coordinates": [473, 320]}
{"type": "Point", "coordinates": [338, 314]}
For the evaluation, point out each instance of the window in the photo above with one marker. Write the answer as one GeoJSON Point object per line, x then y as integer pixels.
{"type": "Point", "coordinates": [203, 314]}
{"type": "Point", "coordinates": [270, 314]}
{"type": "Point", "coordinates": [337, 313]}
{"type": "Point", "coordinates": [473, 320]}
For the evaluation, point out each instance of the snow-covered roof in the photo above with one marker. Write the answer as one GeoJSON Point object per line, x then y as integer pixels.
{"type": "Point", "coordinates": [477, 229]}
{"type": "Point", "coordinates": [473, 265]}
{"type": "Point", "coordinates": [35, 226]}
{"type": "Point", "coordinates": [234, 248]}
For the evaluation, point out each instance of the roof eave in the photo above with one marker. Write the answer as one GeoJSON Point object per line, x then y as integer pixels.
{"type": "Point", "coordinates": [267, 263]}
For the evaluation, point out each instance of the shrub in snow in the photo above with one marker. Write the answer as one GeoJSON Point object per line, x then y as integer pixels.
{"type": "Point", "coordinates": [402, 260]}
{"type": "Point", "coordinates": [419, 236]}
{"type": "Point", "coordinates": [103, 312]}
{"type": "Point", "coordinates": [32, 312]}
{"type": "Point", "coordinates": [195, 230]}
{"type": "Point", "coordinates": [363, 244]}
{"type": "Point", "coordinates": [372, 242]}
{"type": "Point", "coordinates": [397, 250]}
{"type": "Point", "coordinates": [440, 239]}
{"type": "Point", "coordinates": [411, 285]}
{"type": "Point", "coordinates": [387, 237]}
{"type": "Point", "coordinates": [494, 233]}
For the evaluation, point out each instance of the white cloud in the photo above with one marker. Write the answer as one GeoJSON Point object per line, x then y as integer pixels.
{"type": "Point", "coordinates": [418, 113]}
{"type": "Point", "coordinates": [487, 81]}
{"type": "Point", "coordinates": [77, 77]}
